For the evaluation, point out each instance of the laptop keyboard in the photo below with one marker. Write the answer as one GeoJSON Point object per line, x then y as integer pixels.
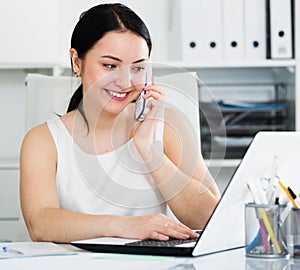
{"type": "Point", "coordinates": [163, 243]}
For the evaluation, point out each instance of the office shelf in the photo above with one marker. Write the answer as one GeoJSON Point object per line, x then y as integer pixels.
{"type": "Point", "coordinates": [228, 127]}
{"type": "Point", "coordinates": [4, 66]}
{"type": "Point", "coordinates": [206, 65]}
{"type": "Point", "coordinates": [222, 163]}
{"type": "Point", "coordinates": [158, 65]}
{"type": "Point", "coordinates": [9, 164]}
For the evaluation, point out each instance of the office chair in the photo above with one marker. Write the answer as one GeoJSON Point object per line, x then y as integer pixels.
{"type": "Point", "coordinates": [47, 97]}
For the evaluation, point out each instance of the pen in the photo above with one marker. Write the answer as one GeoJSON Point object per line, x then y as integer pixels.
{"type": "Point", "coordinates": [269, 230]}
{"type": "Point", "coordinates": [288, 194]}
{"type": "Point", "coordinates": [11, 251]}
{"type": "Point", "coordinates": [264, 235]}
{"type": "Point", "coordinates": [255, 241]}
{"type": "Point", "coordinates": [272, 187]}
{"type": "Point", "coordinates": [295, 198]}
{"type": "Point", "coordinates": [251, 187]}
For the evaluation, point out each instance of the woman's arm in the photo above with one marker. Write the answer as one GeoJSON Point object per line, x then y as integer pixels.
{"type": "Point", "coordinates": [39, 200]}
{"type": "Point", "coordinates": [180, 172]}
{"type": "Point", "coordinates": [46, 221]}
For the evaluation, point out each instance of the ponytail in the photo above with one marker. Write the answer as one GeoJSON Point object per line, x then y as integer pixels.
{"type": "Point", "coordinates": [76, 103]}
{"type": "Point", "coordinates": [75, 100]}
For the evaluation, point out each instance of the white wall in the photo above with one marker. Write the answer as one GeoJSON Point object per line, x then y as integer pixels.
{"type": "Point", "coordinates": [28, 31]}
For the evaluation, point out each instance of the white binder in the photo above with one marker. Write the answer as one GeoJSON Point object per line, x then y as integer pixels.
{"type": "Point", "coordinates": [280, 42]}
{"type": "Point", "coordinates": [184, 30]}
{"type": "Point", "coordinates": [255, 30]}
{"type": "Point", "coordinates": [209, 30]}
{"type": "Point", "coordinates": [233, 30]}
{"type": "Point", "coordinates": [196, 31]}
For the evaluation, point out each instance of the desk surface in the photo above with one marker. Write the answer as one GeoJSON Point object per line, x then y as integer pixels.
{"type": "Point", "coordinates": [233, 260]}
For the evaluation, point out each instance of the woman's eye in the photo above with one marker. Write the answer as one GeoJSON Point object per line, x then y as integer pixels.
{"type": "Point", "coordinates": [138, 69]}
{"type": "Point", "coordinates": [109, 66]}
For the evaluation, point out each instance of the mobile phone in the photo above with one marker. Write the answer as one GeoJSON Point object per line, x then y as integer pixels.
{"type": "Point", "coordinates": [141, 108]}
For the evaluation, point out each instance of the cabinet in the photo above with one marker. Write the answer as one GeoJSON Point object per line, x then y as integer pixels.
{"type": "Point", "coordinates": [271, 88]}
{"type": "Point", "coordinates": [252, 94]}
{"type": "Point", "coordinates": [11, 222]}
{"type": "Point", "coordinates": [12, 113]}
{"type": "Point", "coordinates": [237, 103]}
{"type": "Point", "coordinates": [271, 85]}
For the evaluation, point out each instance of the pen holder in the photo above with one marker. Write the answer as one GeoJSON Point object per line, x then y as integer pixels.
{"type": "Point", "coordinates": [273, 264]}
{"type": "Point", "coordinates": [265, 233]}
{"type": "Point", "coordinates": [293, 232]}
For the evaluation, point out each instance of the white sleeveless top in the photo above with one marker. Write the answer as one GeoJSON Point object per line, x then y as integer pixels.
{"type": "Point", "coordinates": [115, 183]}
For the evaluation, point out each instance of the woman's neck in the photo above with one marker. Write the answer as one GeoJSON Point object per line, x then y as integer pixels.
{"type": "Point", "coordinates": [105, 121]}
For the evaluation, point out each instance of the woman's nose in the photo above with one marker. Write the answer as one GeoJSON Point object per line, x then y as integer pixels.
{"type": "Point", "coordinates": [123, 79]}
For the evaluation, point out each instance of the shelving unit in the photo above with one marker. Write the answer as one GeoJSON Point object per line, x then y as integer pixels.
{"type": "Point", "coordinates": [218, 76]}
{"type": "Point", "coordinates": [207, 65]}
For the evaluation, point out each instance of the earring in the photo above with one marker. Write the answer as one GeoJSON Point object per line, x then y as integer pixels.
{"type": "Point", "coordinates": [75, 74]}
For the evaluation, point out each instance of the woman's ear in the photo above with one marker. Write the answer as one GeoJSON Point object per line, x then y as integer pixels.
{"type": "Point", "coordinates": [76, 62]}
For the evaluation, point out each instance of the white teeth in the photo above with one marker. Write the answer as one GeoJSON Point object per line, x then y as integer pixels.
{"type": "Point", "coordinates": [116, 94]}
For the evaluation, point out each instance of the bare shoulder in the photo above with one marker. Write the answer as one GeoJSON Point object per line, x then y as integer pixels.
{"type": "Point", "coordinates": [175, 122]}
{"type": "Point", "coordinates": [178, 132]}
{"type": "Point", "coordinates": [171, 113]}
{"type": "Point", "coordinates": [38, 140]}
{"type": "Point", "coordinates": [40, 133]}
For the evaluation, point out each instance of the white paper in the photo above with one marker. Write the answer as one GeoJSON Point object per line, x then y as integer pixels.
{"type": "Point", "coordinates": [31, 249]}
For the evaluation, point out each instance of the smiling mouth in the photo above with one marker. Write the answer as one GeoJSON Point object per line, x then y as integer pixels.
{"type": "Point", "coordinates": [120, 96]}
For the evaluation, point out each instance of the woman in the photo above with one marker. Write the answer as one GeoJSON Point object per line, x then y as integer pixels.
{"type": "Point", "coordinates": [96, 171]}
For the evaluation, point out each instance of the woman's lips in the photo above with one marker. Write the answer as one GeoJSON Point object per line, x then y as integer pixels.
{"type": "Point", "coordinates": [118, 96]}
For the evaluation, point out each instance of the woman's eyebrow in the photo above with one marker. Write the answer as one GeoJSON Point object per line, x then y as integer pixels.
{"type": "Point", "coordinates": [119, 60]}
{"type": "Point", "coordinates": [140, 60]}
{"type": "Point", "coordinates": [111, 57]}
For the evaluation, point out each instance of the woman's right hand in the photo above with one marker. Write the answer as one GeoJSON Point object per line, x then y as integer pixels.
{"type": "Point", "coordinates": [157, 226]}
{"type": "Point", "coordinates": [144, 131]}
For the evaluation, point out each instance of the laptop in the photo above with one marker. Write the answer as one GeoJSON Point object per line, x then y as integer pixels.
{"type": "Point", "coordinates": [225, 228]}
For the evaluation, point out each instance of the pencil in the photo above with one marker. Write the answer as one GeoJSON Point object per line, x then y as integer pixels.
{"type": "Point", "coordinates": [288, 194]}
{"type": "Point", "coordinates": [294, 196]}
{"type": "Point", "coordinates": [264, 235]}
{"type": "Point", "coordinates": [269, 229]}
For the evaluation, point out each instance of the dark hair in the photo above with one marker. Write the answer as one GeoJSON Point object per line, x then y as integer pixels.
{"type": "Point", "coordinates": [93, 25]}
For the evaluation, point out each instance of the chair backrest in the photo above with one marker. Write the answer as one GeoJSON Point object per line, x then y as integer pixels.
{"type": "Point", "coordinates": [47, 96]}
{"type": "Point", "coordinates": [182, 94]}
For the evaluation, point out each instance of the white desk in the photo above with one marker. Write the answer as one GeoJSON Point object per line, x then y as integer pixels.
{"type": "Point", "coordinates": [231, 260]}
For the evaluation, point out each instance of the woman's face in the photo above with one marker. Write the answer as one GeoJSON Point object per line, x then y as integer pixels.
{"type": "Point", "coordinates": [113, 71]}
